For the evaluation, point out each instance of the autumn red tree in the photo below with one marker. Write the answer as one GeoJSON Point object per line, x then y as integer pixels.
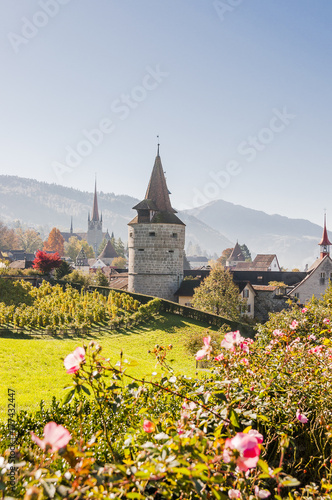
{"type": "Point", "coordinates": [46, 262]}
{"type": "Point", "coordinates": [55, 242]}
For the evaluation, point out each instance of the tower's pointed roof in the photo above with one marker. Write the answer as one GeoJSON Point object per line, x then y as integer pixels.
{"type": "Point", "coordinates": [325, 239]}
{"type": "Point", "coordinates": [237, 254]}
{"type": "Point", "coordinates": [108, 252]}
{"type": "Point", "coordinates": [95, 213]}
{"type": "Point", "coordinates": [157, 190]}
{"type": "Point", "coordinates": [156, 202]}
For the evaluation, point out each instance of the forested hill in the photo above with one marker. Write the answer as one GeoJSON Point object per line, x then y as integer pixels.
{"type": "Point", "coordinates": [40, 204]}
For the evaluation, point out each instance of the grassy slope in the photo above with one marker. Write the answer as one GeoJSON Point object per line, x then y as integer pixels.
{"type": "Point", "coordinates": [33, 367]}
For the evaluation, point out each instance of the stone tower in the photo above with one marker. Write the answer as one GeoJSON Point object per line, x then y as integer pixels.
{"type": "Point", "coordinates": [95, 226]}
{"type": "Point", "coordinates": [156, 241]}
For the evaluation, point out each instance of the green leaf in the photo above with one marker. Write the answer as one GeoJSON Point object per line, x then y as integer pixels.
{"type": "Point", "coordinates": [134, 495]}
{"type": "Point", "coordinates": [219, 495]}
{"type": "Point", "coordinates": [69, 396]}
{"type": "Point", "coordinates": [262, 417]}
{"type": "Point", "coordinates": [86, 390]}
{"type": "Point", "coordinates": [233, 418]}
{"type": "Point", "coordinates": [263, 466]}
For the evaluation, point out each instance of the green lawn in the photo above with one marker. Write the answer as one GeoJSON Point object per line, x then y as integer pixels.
{"type": "Point", "coordinates": [33, 366]}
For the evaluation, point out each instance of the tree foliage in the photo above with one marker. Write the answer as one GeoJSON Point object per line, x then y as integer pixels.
{"type": "Point", "coordinates": [218, 294]}
{"type": "Point", "coordinates": [29, 240]}
{"type": "Point", "coordinates": [246, 252]}
{"type": "Point", "coordinates": [55, 242]}
{"type": "Point", "coordinates": [224, 256]}
{"type": "Point", "coordinates": [63, 270]}
{"type": "Point", "coordinates": [73, 246]}
{"type": "Point", "coordinates": [119, 262]}
{"type": "Point", "coordinates": [46, 262]}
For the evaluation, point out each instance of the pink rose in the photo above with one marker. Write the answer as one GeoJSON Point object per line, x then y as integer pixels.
{"type": "Point", "coordinates": [261, 493]}
{"type": "Point", "coordinates": [55, 436]}
{"type": "Point", "coordinates": [257, 435]}
{"type": "Point", "coordinates": [148, 426]}
{"type": "Point", "coordinates": [231, 339]}
{"type": "Point", "coordinates": [220, 357]}
{"type": "Point", "coordinates": [74, 360]}
{"type": "Point", "coordinates": [326, 320]}
{"type": "Point", "coordinates": [244, 361]}
{"type": "Point", "coordinates": [206, 351]}
{"type": "Point", "coordinates": [302, 418]}
{"type": "Point", "coordinates": [294, 324]}
{"type": "Point", "coordinates": [189, 406]}
{"type": "Point", "coordinates": [247, 446]}
{"type": "Point", "coordinates": [234, 494]}
{"type": "Point", "coordinates": [304, 310]}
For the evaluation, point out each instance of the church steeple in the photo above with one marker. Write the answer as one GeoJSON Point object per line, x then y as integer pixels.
{"type": "Point", "coordinates": [71, 225]}
{"type": "Point", "coordinates": [95, 213]}
{"type": "Point", "coordinates": [156, 206]}
{"type": "Point", "coordinates": [324, 242]}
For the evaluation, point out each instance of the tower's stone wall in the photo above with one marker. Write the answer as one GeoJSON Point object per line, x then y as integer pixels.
{"type": "Point", "coordinates": [156, 258]}
{"type": "Point", "coordinates": [95, 234]}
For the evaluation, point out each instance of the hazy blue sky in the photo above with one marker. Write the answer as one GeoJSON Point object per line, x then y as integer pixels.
{"type": "Point", "coordinates": [239, 92]}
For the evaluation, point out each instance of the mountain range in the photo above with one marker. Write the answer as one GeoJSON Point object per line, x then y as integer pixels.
{"type": "Point", "coordinates": [214, 226]}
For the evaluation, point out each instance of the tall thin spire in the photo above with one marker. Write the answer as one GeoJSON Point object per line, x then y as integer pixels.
{"type": "Point", "coordinates": [71, 225]}
{"type": "Point", "coordinates": [158, 146]}
{"type": "Point", "coordinates": [324, 242]}
{"type": "Point", "coordinates": [95, 213]}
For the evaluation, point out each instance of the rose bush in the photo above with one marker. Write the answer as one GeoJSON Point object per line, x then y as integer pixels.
{"type": "Point", "coordinates": [255, 429]}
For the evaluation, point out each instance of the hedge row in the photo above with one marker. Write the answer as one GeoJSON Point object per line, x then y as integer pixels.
{"type": "Point", "coordinates": [185, 311]}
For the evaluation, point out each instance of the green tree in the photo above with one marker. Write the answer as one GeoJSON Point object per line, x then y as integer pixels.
{"type": "Point", "coordinates": [99, 278]}
{"type": "Point", "coordinates": [102, 246]}
{"type": "Point", "coordinates": [246, 252]}
{"type": "Point", "coordinates": [73, 246]}
{"type": "Point", "coordinates": [219, 295]}
{"type": "Point", "coordinates": [63, 270]}
{"type": "Point", "coordinates": [119, 247]}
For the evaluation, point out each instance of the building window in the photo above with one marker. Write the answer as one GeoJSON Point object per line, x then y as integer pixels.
{"type": "Point", "coordinates": [174, 235]}
{"type": "Point", "coordinates": [249, 308]}
{"type": "Point", "coordinates": [245, 294]}
{"type": "Point", "coordinates": [322, 278]}
{"type": "Point", "coordinates": [188, 304]}
{"type": "Point", "coordinates": [297, 295]}
{"type": "Point", "coordinates": [152, 233]}
{"type": "Point", "coordinates": [131, 235]}
{"type": "Point", "coordinates": [171, 251]}
{"type": "Point", "coordinates": [141, 249]}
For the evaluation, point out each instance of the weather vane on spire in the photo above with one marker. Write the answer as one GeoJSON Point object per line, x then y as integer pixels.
{"type": "Point", "coordinates": [158, 145]}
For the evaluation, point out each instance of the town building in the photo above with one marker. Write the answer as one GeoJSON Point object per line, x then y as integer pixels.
{"type": "Point", "coordinates": [235, 257]}
{"type": "Point", "coordinates": [156, 239]}
{"type": "Point", "coordinates": [262, 262]}
{"type": "Point", "coordinates": [319, 274]}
